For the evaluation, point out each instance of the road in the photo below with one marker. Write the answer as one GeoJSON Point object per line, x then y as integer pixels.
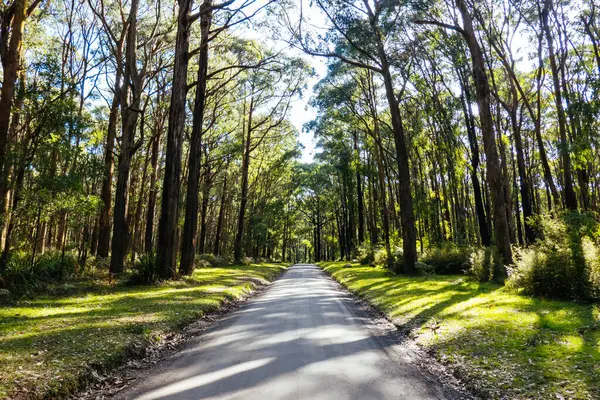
{"type": "Point", "coordinates": [302, 338]}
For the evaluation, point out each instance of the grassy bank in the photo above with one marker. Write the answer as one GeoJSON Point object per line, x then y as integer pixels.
{"type": "Point", "coordinates": [47, 344]}
{"type": "Point", "coordinates": [505, 345]}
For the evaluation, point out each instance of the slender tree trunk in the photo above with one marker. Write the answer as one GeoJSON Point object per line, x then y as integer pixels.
{"type": "Point", "coordinates": [523, 181]}
{"type": "Point", "coordinates": [207, 183]}
{"type": "Point", "coordinates": [149, 235]}
{"type": "Point", "coordinates": [10, 71]}
{"type": "Point", "coordinates": [494, 172]}
{"type": "Point", "coordinates": [359, 193]}
{"type": "Point", "coordinates": [407, 216]}
{"type": "Point", "coordinates": [244, 196]}
{"type": "Point", "coordinates": [167, 232]}
{"type": "Point", "coordinates": [190, 225]}
{"type": "Point", "coordinates": [129, 117]}
{"type": "Point", "coordinates": [569, 192]}
{"type": "Point", "coordinates": [221, 218]}
{"type": "Point", "coordinates": [105, 194]}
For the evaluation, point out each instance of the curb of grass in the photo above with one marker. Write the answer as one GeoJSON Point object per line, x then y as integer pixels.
{"type": "Point", "coordinates": [100, 377]}
{"type": "Point", "coordinates": [451, 374]}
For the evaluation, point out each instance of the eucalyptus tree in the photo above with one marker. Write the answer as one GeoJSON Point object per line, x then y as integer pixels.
{"type": "Point", "coordinates": [366, 34]}
{"type": "Point", "coordinates": [483, 96]}
{"type": "Point", "coordinates": [137, 69]}
{"type": "Point", "coordinates": [267, 93]}
{"type": "Point", "coordinates": [13, 17]}
{"type": "Point", "coordinates": [215, 19]}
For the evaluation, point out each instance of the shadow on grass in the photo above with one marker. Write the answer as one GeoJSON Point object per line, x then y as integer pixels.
{"type": "Point", "coordinates": [505, 344]}
{"type": "Point", "coordinates": [51, 339]}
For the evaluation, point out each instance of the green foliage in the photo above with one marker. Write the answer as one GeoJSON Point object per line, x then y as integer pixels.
{"type": "Point", "coordinates": [211, 260]}
{"type": "Point", "coordinates": [144, 271]}
{"type": "Point", "coordinates": [447, 258]}
{"type": "Point", "coordinates": [504, 345]}
{"type": "Point", "coordinates": [26, 275]}
{"type": "Point", "coordinates": [484, 262]}
{"type": "Point", "coordinates": [565, 263]}
{"type": "Point", "coordinates": [247, 260]}
{"type": "Point", "coordinates": [380, 257]}
{"type": "Point", "coordinates": [366, 253]}
{"type": "Point", "coordinates": [424, 269]}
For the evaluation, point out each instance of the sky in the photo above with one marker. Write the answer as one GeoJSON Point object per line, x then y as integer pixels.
{"type": "Point", "coordinates": [300, 112]}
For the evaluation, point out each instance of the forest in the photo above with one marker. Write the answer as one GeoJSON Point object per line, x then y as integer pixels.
{"type": "Point", "coordinates": [145, 142]}
{"type": "Point", "coordinates": [140, 132]}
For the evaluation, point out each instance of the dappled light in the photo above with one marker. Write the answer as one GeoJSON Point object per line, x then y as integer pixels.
{"type": "Point", "coordinates": [302, 338]}
{"type": "Point", "coordinates": [504, 343]}
{"type": "Point", "coordinates": [44, 341]}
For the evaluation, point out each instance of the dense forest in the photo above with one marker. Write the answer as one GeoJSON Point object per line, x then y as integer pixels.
{"type": "Point", "coordinates": [155, 137]}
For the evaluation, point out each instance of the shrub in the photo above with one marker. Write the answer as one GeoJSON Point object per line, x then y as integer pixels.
{"type": "Point", "coordinates": [564, 263]}
{"type": "Point", "coordinates": [57, 267]}
{"type": "Point", "coordinates": [211, 260]}
{"type": "Point", "coordinates": [447, 258]}
{"type": "Point", "coordinates": [542, 272]}
{"type": "Point", "coordinates": [484, 263]}
{"type": "Point", "coordinates": [424, 269]}
{"type": "Point", "coordinates": [366, 253]}
{"type": "Point", "coordinates": [380, 257]}
{"type": "Point", "coordinates": [592, 257]}
{"type": "Point", "coordinates": [24, 275]}
{"type": "Point", "coordinates": [144, 271]}
{"type": "Point", "coordinates": [247, 260]}
{"type": "Point", "coordinates": [205, 260]}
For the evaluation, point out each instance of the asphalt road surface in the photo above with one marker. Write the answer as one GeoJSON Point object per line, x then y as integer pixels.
{"type": "Point", "coordinates": [302, 338]}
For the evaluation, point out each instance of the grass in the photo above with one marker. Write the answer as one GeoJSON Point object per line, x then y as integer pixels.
{"type": "Point", "coordinates": [48, 344]}
{"type": "Point", "coordinates": [502, 344]}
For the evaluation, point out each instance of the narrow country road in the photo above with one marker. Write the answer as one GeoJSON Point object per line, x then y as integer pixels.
{"type": "Point", "coordinates": [302, 338]}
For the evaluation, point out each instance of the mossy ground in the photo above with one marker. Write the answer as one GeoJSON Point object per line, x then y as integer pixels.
{"type": "Point", "coordinates": [505, 345]}
{"type": "Point", "coordinates": [48, 343]}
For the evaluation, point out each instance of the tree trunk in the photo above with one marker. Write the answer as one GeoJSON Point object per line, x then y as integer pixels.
{"type": "Point", "coordinates": [149, 237]}
{"type": "Point", "coordinates": [129, 115]}
{"type": "Point", "coordinates": [207, 183]}
{"type": "Point", "coordinates": [569, 192]}
{"type": "Point", "coordinates": [494, 172]}
{"type": "Point", "coordinates": [167, 232]}
{"type": "Point", "coordinates": [221, 219]}
{"type": "Point", "coordinates": [407, 216]}
{"type": "Point", "coordinates": [190, 225]}
{"type": "Point", "coordinates": [237, 253]}
{"type": "Point", "coordinates": [11, 56]}
{"type": "Point", "coordinates": [105, 194]}
{"type": "Point", "coordinates": [474, 145]}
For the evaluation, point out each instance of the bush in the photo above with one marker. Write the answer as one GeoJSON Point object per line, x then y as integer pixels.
{"type": "Point", "coordinates": [204, 260]}
{"type": "Point", "coordinates": [247, 260]}
{"type": "Point", "coordinates": [424, 269]}
{"type": "Point", "coordinates": [542, 272]}
{"type": "Point", "coordinates": [447, 259]}
{"type": "Point", "coordinates": [144, 271]}
{"type": "Point", "coordinates": [23, 275]}
{"type": "Point", "coordinates": [380, 257]}
{"type": "Point", "coordinates": [366, 253]}
{"type": "Point", "coordinates": [592, 257]}
{"type": "Point", "coordinates": [210, 260]}
{"type": "Point", "coordinates": [484, 263]}
{"type": "Point", "coordinates": [57, 268]}
{"type": "Point", "coordinates": [565, 263]}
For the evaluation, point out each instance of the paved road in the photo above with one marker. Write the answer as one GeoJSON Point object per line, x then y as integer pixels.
{"type": "Point", "coordinates": [301, 339]}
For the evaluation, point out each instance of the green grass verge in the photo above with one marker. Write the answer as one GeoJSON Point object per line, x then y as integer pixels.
{"type": "Point", "coordinates": [48, 344]}
{"type": "Point", "coordinates": [503, 344]}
